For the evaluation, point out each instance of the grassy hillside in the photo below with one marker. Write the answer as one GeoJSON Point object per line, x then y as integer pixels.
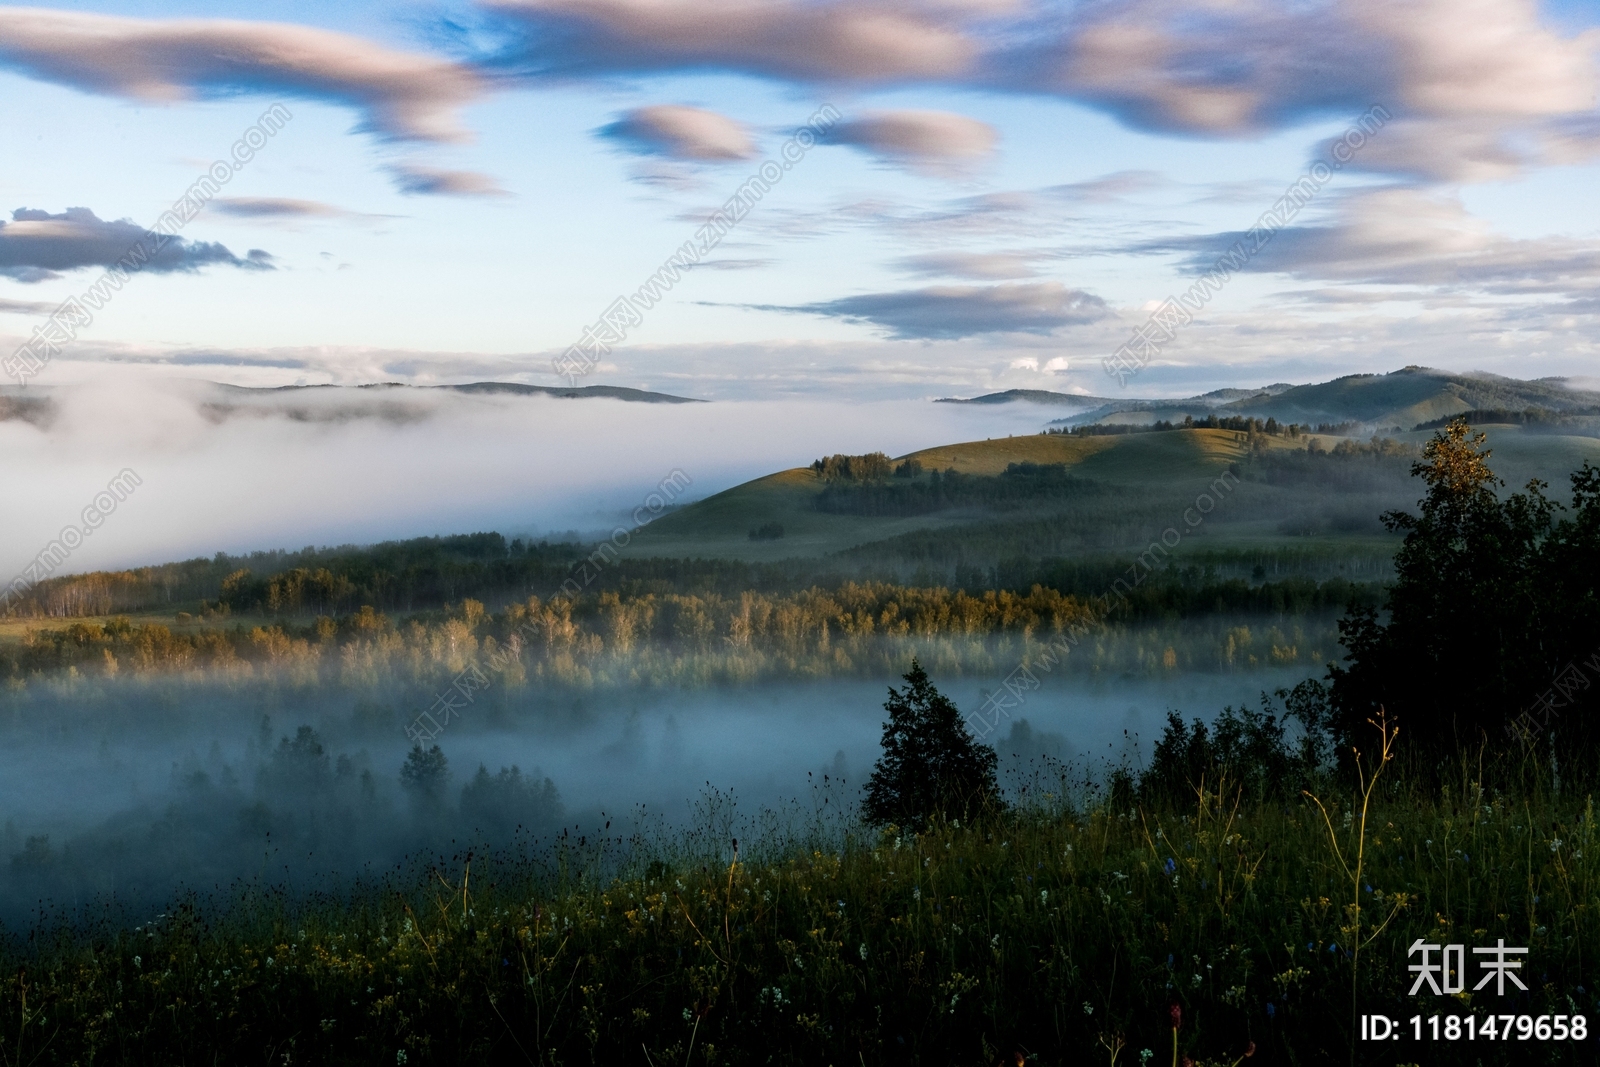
{"type": "Point", "coordinates": [720, 526]}
{"type": "Point", "coordinates": [966, 520]}
{"type": "Point", "coordinates": [1319, 508]}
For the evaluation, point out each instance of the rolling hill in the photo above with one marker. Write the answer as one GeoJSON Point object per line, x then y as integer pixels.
{"type": "Point", "coordinates": [1322, 507]}
{"type": "Point", "coordinates": [1400, 398]}
{"type": "Point", "coordinates": [1147, 467]}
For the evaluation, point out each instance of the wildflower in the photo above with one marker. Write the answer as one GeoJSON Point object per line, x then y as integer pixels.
{"type": "Point", "coordinates": [994, 943]}
{"type": "Point", "coordinates": [1044, 896]}
{"type": "Point", "coordinates": [1176, 1014]}
{"type": "Point", "coordinates": [137, 962]}
{"type": "Point", "coordinates": [1088, 1009]}
{"type": "Point", "coordinates": [863, 950]}
{"type": "Point", "coordinates": [1172, 865]}
{"type": "Point", "coordinates": [1272, 1009]}
{"type": "Point", "coordinates": [1144, 1056]}
{"type": "Point", "coordinates": [400, 1056]}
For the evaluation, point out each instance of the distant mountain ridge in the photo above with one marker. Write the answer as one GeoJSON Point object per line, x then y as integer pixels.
{"type": "Point", "coordinates": [582, 392]}
{"type": "Point", "coordinates": [1401, 398]}
{"type": "Point", "coordinates": [394, 402]}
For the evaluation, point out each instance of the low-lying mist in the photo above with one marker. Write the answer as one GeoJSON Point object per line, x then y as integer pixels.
{"type": "Point", "coordinates": [378, 467]}
{"type": "Point", "coordinates": [138, 789]}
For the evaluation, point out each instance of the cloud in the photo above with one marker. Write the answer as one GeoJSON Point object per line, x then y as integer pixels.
{"type": "Point", "coordinates": [951, 311]}
{"type": "Point", "coordinates": [1481, 86]}
{"type": "Point", "coordinates": [1426, 246]}
{"type": "Point", "coordinates": [917, 137]}
{"type": "Point", "coordinates": [1478, 88]}
{"type": "Point", "coordinates": [401, 95]}
{"type": "Point", "coordinates": [25, 307]}
{"type": "Point", "coordinates": [281, 208]}
{"type": "Point", "coordinates": [419, 180]}
{"type": "Point", "coordinates": [37, 246]}
{"type": "Point", "coordinates": [976, 266]}
{"type": "Point", "coordinates": [1110, 187]}
{"type": "Point", "coordinates": [835, 40]}
{"type": "Point", "coordinates": [680, 132]}
{"type": "Point", "coordinates": [1056, 365]}
{"type": "Point", "coordinates": [731, 264]}
{"type": "Point", "coordinates": [1252, 64]}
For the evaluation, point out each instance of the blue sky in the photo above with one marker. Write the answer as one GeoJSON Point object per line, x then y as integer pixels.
{"type": "Point", "coordinates": [1013, 185]}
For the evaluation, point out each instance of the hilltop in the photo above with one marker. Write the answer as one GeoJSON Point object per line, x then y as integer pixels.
{"type": "Point", "coordinates": [1402, 398]}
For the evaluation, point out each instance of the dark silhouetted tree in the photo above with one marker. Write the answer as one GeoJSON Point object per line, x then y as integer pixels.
{"type": "Point", "coordinates": [425, 774]}
{"type": "Point", "coordinates": [496, 805]}
{"type": "Point", "coordinates": [930, 764]}
{"type": "Point", "coordinates": [1491, 598]}
{"type": "Point", "coordinates": [299, 766]}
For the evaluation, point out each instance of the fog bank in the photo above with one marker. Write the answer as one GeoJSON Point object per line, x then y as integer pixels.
{"type": "Point", "coordinates": [357, 466]}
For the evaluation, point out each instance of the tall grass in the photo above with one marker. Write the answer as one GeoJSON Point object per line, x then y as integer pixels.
{"type": "Point", "coordinates": [1066, 928]}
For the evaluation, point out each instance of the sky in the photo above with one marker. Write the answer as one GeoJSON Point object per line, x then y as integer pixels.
{"type": "Point", "coordinates": [990, 194]}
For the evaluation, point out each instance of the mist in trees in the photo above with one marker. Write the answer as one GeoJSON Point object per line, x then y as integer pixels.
{"type": "Point", "coordinates": [286, 815]}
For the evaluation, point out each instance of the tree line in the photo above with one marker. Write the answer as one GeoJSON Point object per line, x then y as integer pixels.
{"type": "Point", "coordinates": [1019, 485]}
{"type": "Point", "coordinates": [1491, 628]}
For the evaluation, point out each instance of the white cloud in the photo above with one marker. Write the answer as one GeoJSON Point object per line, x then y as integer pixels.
{"type": "Point", "coordinates": [680, 132]}
{"type": "Point", "coordinates": [421, 180]}
{"type": "Point", "coordinates": [402, 95]}
{"type": "Point", "coordinates": [919, 138]}
{"type": "Point", "coordinates": [842, 40]}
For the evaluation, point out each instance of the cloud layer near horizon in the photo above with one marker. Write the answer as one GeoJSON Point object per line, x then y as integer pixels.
{"type": "Point", "coordinates": [425, 463]}
{"type": "Point", "coordinates": [956, 311]}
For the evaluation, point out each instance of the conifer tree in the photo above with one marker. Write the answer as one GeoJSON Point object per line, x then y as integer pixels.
{"type": "Point", "coordinates": [930, 765]}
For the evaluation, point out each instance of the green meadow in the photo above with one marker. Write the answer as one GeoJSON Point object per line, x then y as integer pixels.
{"type": "Point", "coordinates": [1065, 930]}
